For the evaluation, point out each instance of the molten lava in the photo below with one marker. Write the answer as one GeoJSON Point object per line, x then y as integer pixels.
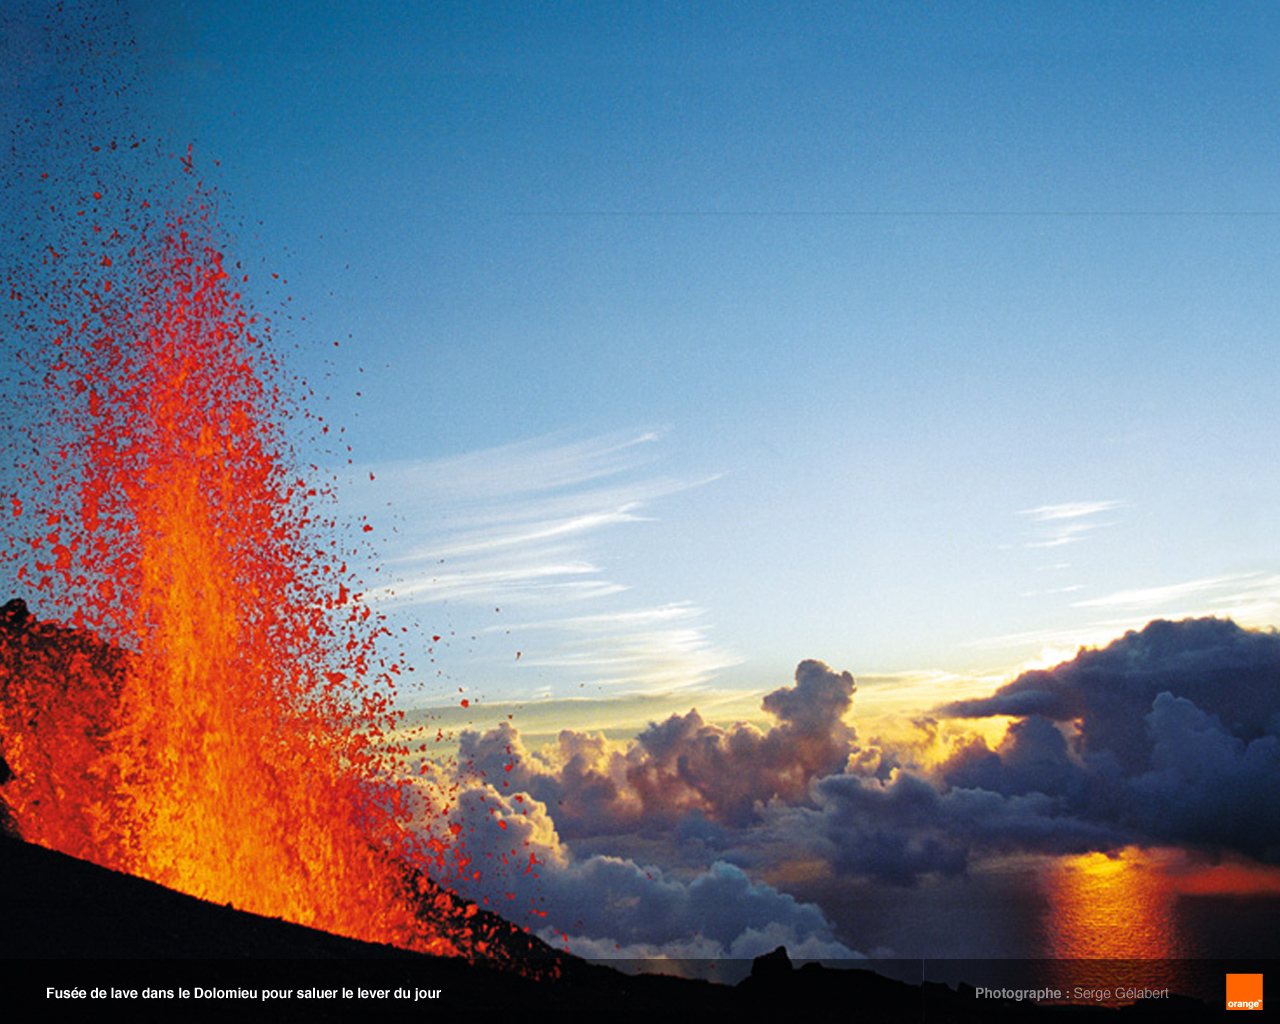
{"type": "Point", "coordinates": [213, 716]}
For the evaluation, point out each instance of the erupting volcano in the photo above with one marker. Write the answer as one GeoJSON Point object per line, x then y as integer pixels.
{"type": "Point", "coordinates": [213, 714]}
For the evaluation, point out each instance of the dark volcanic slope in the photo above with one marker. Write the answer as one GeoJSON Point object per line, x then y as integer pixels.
{"type": "Point", "coordinates": [78, 926]}
{"type": "Point", "coordinates": [60, 907]}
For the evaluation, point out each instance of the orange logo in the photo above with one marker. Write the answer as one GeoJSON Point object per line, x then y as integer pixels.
{"type": "Point", "coordinates": [1244, 991]}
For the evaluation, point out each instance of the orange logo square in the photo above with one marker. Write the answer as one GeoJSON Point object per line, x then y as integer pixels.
{"type": "Point", "coordinates": [1244, 991]}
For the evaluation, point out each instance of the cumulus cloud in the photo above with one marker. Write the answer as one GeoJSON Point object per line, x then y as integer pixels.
{"type": "Point", "coordinates": [683, 783]}
{"type": "Point", "coordinates": [683, 765]}
{"type": "Point", "coordinates": [905, 828]}
{"type": "Point", "coordinates": [1169, 734]}
{"type": "Point", "coordinates": [1207, 786]}
{"type": "Point", "coordinates": [663, 847]}
{"type": "Point", "coordinates": [1226, 670]}
{"type": "Point", "coordinates": [615, 907]}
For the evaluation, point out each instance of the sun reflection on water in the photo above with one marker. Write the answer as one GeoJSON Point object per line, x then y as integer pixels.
{"type": "Point", "coordinates": [1110, 907]}
{"type": "Point", "coordinates": [1112, 923]}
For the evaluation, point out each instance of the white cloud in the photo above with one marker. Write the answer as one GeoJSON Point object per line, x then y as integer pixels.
{"type": "Point", "coordinates": [1239, 585]}
{"type": "Point", "coordinates": [529, 528]}
{"type": "Point", "coordinates": [1069, 510]}
{"type": "Point", "coordinates": [655, 648]}
{"type": "Point", "coordinates": [1067, 523]}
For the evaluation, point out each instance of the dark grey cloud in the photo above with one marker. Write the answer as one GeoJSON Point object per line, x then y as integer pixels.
{"type": "Point", "coordinates": [901, 830]}
{"type": "Point", "coordinates": [1207, 786]}
{"type": "Point", "coordinates": [1170, 734]}
{"type": "Point", "coordinates": [1231, 672]}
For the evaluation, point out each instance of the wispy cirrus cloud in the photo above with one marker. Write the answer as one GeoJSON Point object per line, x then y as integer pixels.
{"type": "Point", "coordinates": [1066, 523]}
{"type": "Point", "coordinates": [484, 584]}
{"type": "Point", "coordinates": [532, 528]}
{"type": "Point", "coordinates": [1247, 597]}
{"type": "Point", "coordinates": [1069, 510]}
{"type": "Point", "coordinates": [1094, 633]}
{"type": "Point", "coordinates": [663, 648]}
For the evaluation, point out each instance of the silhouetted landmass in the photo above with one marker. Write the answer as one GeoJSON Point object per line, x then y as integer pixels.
{"type": "Point", "coordinates": [81, 926]}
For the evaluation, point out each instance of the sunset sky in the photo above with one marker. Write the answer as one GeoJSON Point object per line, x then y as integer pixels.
{"type": "Point", "coordinates": [678, 344]}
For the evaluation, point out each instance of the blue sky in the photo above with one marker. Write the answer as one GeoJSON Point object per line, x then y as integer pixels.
{"type": "Point", "coordinates": [699, 339]}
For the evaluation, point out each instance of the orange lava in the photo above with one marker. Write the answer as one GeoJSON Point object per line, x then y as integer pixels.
{"type": "Point", "coordinates": [214, 714]}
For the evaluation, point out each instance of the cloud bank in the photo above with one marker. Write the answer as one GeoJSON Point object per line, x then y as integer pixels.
{"type": "Point", "coordinates": [682, 783]}
{"type": "Point", "coordinates": [1170, 734]}
{"type": "Point", "coordinates": [665, 846]}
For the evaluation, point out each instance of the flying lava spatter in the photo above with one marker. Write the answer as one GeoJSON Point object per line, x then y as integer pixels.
{"type": "Point", "coordinates": [213, 714]}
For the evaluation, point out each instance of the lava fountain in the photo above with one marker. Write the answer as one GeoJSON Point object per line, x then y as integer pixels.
{"type": "Point", "coordinates": [212, 714]}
